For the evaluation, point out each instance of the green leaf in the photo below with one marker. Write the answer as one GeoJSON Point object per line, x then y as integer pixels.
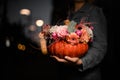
{"type": "Point", "coordinates": [71, 26]}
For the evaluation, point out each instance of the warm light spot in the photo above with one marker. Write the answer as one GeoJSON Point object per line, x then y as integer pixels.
{"type": "Point", "coordinates": [32, 28]}
{"type": "Point", "coordinates": [25, 12]}
{"type": "Point", "coordinates": [39, 23]}
{"type": "Point", "coordinates": [21, 47]}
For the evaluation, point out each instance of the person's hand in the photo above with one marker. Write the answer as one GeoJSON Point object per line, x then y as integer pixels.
{"type": "Point", "coordinates": [67, 59]}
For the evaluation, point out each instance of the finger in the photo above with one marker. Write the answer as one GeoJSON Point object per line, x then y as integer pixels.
{"type": "Point", "coordinates": [71, 59]}
{"type": "Point", "coordinates": [59, 59]}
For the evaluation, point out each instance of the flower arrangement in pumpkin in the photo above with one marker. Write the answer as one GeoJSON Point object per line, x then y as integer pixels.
{"type": "Point", "coordinates": [66, 40]}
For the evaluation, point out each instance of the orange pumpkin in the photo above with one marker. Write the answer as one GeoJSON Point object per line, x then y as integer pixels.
{"type": "Point", "coordinates": [62, 48]}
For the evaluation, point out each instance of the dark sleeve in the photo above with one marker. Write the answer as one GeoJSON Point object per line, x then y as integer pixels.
{"type": "Point", "coordinates": [98, 48]}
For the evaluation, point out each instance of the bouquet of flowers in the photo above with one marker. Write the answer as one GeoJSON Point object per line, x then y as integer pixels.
{"type": "Point", "coordinates": [70, 39]}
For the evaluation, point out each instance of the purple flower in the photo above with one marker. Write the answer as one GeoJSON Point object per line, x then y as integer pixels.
{"type": "Point", "coordinates": [54, 36]}
{"type": "Point", "coordinates": [78, 32]}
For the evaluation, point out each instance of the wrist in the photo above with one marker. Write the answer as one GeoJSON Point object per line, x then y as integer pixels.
{"type": "Point", "coordinates": [79, 62]}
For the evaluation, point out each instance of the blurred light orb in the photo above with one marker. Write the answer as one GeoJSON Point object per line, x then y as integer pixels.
{"type": "Point", "coordinates": [21, 47]}
{"type": "Point", "coordinates": [32, 28]}
{"type": "Point", "coordinates": [7, 43]}
{"type": "Point", "coordinates": [39, 23]}
{"type": "Point", "coordinates": [26, 12]}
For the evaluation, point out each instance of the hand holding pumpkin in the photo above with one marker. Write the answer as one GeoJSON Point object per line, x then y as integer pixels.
{"type": "Point", "coordinates": [67, 59]}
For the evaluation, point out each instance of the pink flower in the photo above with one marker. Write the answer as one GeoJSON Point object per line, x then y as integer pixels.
{"type": "Point", "coordinates": [73, 38]}
{"type": "Point", "coordinates": [61, 31]}
{"type": "Point", "coordinates": [54, 36]}
{"type": "Point", "coordinates": [78, 32]}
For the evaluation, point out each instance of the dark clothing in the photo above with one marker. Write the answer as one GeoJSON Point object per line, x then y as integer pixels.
{"type": "Point", "coordinates": [90, 69]}
{"type": "Point", "coordinates": [72, 73]}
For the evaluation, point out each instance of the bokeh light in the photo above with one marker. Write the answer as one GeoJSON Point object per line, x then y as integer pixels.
{"type": "Point", "coordinates": [32, 28]}
{"type": "Point", "coordinates": [26, 12]}
{"type": "Point", "coordinates": [21, 47]}
{"type": "Point", "coordinates": [7, 43]}
{"type": "Point", "coordinates": [39, 23]}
